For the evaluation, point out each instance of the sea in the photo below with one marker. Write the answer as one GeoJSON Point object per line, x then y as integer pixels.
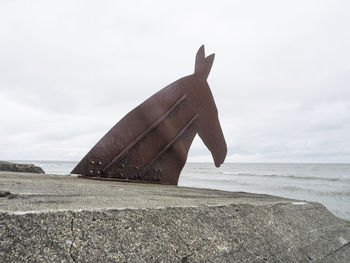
{"type": "Point", "coordinates": [328, 184]}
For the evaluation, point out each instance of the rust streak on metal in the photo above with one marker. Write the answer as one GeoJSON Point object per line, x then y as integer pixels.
{"type": "Point", "coordinates": [166, 147]}
{"type": "Point", "coordinates": [144, 133]}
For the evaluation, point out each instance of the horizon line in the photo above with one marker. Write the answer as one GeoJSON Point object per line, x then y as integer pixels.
{"type": "Point", "coordinates": [12, 160]}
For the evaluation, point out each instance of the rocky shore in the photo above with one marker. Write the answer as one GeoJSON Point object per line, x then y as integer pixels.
{"type": "Point", "coordinates": [20, 167]}
{"type": "Point", "coordinates": [69, 219]}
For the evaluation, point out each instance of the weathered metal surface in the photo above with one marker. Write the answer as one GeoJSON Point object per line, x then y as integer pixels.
{"type": "Point", "coordinates": [151, 143]}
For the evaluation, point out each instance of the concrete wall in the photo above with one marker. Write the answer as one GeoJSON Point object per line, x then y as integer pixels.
{"type": "Point", "coordinates": [235, 227]}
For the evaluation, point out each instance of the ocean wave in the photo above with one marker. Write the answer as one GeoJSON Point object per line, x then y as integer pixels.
{"type": "Point", "coordinates": [218, 181]}
{"type": "Point", "coordinates": [287, 176]}
{"type": "Point", "coordinates": [316, 192]}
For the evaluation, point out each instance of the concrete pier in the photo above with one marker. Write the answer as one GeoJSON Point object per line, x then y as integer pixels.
{"type": "Point", "coordinates": [69, 219]}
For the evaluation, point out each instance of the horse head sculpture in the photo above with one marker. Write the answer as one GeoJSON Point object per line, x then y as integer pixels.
{"type": "Point", "coordinates": [151, 143]}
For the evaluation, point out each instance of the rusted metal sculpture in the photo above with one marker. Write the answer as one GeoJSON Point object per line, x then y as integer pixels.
{"type": "Point", "coordinates": [151, 143]}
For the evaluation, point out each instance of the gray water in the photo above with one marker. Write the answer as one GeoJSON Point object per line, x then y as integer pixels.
{"type": "Point", "coordinates": [328, 184]}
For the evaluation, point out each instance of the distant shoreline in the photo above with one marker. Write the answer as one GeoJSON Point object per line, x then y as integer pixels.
{"type": "Point", "coordinates": [321, 163]}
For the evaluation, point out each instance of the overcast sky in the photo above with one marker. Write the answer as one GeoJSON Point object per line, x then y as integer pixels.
{"type": "Point", "coordinates": [69, 70]}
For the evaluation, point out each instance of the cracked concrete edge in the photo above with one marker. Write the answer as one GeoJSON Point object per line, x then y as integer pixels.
{"type": "Point", "coordinates": [304, 205]}
{"type": "Point", "coordinates": [101, 232]}
{"type": "Point", "coordinates": [73, 239]}
{"type": "Point", "coordinates": [337, 255]}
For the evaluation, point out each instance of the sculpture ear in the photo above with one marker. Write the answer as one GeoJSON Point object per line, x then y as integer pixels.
{"type": "Point", "coordinates": [208, 64]}
{"type": "Point", "coordinates": [200, 59]}
{"type": "Point", "coordinates": [203, 64]}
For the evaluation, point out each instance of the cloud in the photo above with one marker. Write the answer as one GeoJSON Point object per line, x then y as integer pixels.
{"type": "Point", "coordinates": [69, 70]}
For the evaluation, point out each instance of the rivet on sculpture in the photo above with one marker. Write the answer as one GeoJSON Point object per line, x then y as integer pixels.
{"type": "Point", "coordinates": [151, 143]}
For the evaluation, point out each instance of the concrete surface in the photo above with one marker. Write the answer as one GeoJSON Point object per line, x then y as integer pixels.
{"type": "Point", "coordinates": [69, 219]}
